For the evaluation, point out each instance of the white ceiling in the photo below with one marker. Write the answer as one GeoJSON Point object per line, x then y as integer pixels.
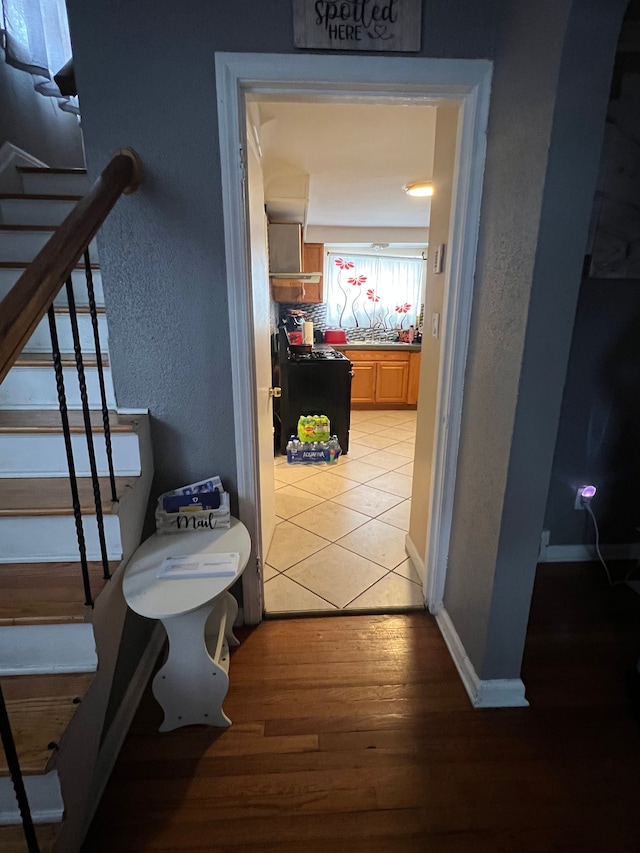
{"type": "Point", "coordinates": [339, 168]}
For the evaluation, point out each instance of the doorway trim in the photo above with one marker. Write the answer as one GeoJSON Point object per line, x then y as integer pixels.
{"type": "Point", "coordinates": [330, 77]}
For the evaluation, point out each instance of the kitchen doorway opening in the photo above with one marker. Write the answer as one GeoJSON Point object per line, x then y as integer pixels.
{"type": "Point", "coordinates": [463, 84]}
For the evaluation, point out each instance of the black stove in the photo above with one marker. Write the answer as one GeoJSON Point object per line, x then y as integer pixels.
{"type": "Point", "coordinates": [318, 354]}
{"type": "Point", "coordinates": [317, 382]}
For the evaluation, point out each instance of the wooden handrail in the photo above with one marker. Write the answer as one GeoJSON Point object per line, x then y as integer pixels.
{"type": "Point", "coordinates": [29, 299]}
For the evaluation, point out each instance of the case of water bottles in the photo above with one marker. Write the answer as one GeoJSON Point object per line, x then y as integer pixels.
{"type": "Point", "coordinates": [313, 452]}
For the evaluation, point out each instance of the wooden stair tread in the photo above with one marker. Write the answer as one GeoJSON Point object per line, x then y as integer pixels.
{"type": "Point", "coordinates": [11, 228]}
{"type": "Point", "coordinates": [22, 265]}
{"type": "Point", "coordinates": [38, 197]}
{"type": "Point", "coordinates": [38, 359]}
{"type": "Point", "coordinates": [52, 495]}
{"type": "Point", "coordinates": [48, 421]}
{"type": "Point", "coordinates": [40, 708]}
{"type": "Point", "coordinates": [12, 838]}
{"type": "Point", "coordinates": [47, 593]}
{"type": "Point", "coordinates": [38, 170]}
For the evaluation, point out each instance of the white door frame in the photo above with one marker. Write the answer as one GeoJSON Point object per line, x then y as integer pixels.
{"type": "Point", "coordinates": [355, 78]}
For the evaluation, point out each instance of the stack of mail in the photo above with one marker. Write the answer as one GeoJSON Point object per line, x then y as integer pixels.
{"type": "Point", "coordinates": [198, 506]}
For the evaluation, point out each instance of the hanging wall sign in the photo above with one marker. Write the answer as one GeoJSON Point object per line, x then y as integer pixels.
{"type": "Point", "coordinates": [372, 25]}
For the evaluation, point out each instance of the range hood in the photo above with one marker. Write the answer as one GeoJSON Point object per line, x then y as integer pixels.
{"type": "Point", "coordinates": [285, 253]}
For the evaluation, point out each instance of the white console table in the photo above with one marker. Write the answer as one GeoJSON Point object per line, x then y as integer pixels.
{"type": "Point", "coordinates": [198, 615]}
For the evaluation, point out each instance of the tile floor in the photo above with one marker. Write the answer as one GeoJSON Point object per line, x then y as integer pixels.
{"type": "Point", "coordinates": [339, 539]}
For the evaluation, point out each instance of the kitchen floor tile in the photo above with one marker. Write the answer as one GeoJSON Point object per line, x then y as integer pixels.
{"type": "Point", "coordinates": [370, 501]}
{"type": "Point", "coordinates": [390, 592]}
{"type": "Point", "coordinates": [397, 516]}
{"type": "Point", "coordinates": [398, 433]}
{"type": "Point", "coordinates": [280, 460]}
{"type": "Point", "coordinates": [290, 544]}
{"type": "Point", "coordinates": [385, 421]}
{"type": "Point", "coordinates": [330, 520]}
{"type": "Point", "coordinates": [378, 441]}
{"type": "Point", "coordinates": [290, 501]}
{"type": "Point", "coordinates": [290, 474]}
{"type": "Point", "coordinates": [408, 570]}
{"type": "Point", "coordinates": [407, 470]}
{"type": "Point", "coordinates": [356, 451]}
{"type": "Point", "coordinates": [387, 459]}
{"type": "Point", "coordinates": [361, 472]}
{"type": "Point", "coordinates": [269, 572]}
{"type": "Point", "coordinates": [336, 574]}
{"type": "Point", "coordinates": [368, 427]}
{"type": "Point", "coordinates": [282, 595]}
{"type": "Point", "coordinates": [396, 484]}
{"type": "Point", "coordinates": [327, 485]}
{"type": "Point", "coordinates": [404, 448]}
{"type": "Point", "coordinates": [377, 541]}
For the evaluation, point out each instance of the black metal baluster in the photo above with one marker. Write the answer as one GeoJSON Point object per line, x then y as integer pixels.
{"type": "Point", "coordinates": [13, 764]}
{"type": "Point", "coordinates": [84, 398]}
{"type": "Point", "coordinates": [103, 393]}
{"type": "Point", "coordinates": [73, 482]}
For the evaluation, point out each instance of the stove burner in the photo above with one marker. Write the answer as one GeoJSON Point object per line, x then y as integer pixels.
{"type": "Point", "coordinates": [317, 355]}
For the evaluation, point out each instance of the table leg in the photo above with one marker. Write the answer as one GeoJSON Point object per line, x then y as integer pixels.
{"type": "Point", "coordinates": [232, 612]}
{"type": "Point", "coordinates": [191, 686]}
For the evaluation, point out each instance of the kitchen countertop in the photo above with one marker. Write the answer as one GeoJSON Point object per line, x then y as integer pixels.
{"type": "Point", "coordinates": [379, 345]}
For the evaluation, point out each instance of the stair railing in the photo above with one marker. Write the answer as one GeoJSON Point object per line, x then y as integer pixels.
{"type": "Point", "coordinates": [22, 309]}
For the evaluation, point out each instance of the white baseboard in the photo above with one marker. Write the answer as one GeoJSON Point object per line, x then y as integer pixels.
{"type": "Point", "coordinates": [119, 727]}
{"type": "Point", "coordinates": [492, 693]}
{"type": "Point", "coordinates": [587, 553]}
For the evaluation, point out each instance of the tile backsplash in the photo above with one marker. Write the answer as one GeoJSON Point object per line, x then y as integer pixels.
{"type": "Point", "coordinates": [317, 313]}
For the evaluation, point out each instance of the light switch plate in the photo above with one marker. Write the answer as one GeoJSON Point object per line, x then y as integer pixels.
{"type": "Point", "coordinates": [438, 258]}
{"type": "Point", "coordinates": [435, 325]}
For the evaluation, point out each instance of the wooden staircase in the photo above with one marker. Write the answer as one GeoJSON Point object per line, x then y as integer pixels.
{"type": "Point", "coordinates": [57, 655]}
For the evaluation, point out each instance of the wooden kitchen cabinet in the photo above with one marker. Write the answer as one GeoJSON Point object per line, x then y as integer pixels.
{"type": "Point", "coordinates": [363, 383]}
{"type": "Point", "coordinates": [313, 261]}
{"type": "Point", "coordinates": [384, 378]}
{"type": "Point", "coordinates": [302, 292]}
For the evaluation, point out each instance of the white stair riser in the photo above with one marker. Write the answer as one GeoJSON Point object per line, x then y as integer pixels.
{"type": "Point", "coordinates": [49, 183]}
{"type": "Point", "coordinates": [40, 341]}
{"type": "Point", "coordinates": [31, 211]}
{"type": "Point", "coordinates": [43, 793]}
{"type": "Point", "coordinates": [50, 538]}
{"type": "Point", "coordinates": [8, 277]}
{"type": "Point", "coordinates": [43, 455]}
{"type": "Point", "coordinates": [35, 388]}
{"type": "Point", "coordinates": [48, 649]}
{"type": "Point", "coordinates": [25, 245]}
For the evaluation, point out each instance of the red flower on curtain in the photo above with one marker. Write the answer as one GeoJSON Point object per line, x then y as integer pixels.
{"type": "Point", "coordinates": [357, 280]}
{"type": "Point", "coordinates": [403, 309]}
{"type": "Point", "coordinates": [343, 264]}
{"type": "Point", "coordinates": [371, 294]}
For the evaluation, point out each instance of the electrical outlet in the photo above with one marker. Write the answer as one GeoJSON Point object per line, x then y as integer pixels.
{"type": "Point", "coordinates": [584, 494]}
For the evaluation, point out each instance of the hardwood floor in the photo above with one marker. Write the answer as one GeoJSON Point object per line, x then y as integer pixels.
{"type": "Point", "coordinates": [354, 733]}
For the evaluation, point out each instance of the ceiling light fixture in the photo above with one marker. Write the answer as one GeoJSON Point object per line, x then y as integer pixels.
{"type": "Point", "coordinates": [419, 189]}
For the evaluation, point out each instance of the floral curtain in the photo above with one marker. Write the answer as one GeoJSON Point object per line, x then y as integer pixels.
{"type": "Point", "coordinates": [35, 37]}
{"type": "Point", "coordinates": [370, 292]}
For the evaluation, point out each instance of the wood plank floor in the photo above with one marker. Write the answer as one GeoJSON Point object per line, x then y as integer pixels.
{"type": "Point", "coordinates": [355, 734]}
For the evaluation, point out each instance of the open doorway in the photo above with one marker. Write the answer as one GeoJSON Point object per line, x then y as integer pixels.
{"type": "Point", "coordinates": [464, 84]}
{"type": "Point", "coordinates": [335, 172]}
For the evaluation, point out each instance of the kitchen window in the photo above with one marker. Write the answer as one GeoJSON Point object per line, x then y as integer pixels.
{"type": "Point", "coordinates": [369, 292]}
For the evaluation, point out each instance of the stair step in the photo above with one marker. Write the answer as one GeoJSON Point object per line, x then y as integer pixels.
{"type": "Point", "coordinates": [21, 456]}
{"type": "Point", "coordinates": [16, 209]}
{"type": "Point", "coordinates": [23, 242]}
{"type": "Point", "coordinates": [52, 538]}
{"type": "Point", "coordinates": [10, 273]}
{"type": "Point", "coordinates": [53, 181]}
{"type": "Point", "coordinates": [40, 708]}
{"type": "Point", "coordinates": [31, 383]}
{"type": "Point", "coordinates": [30, 649]}
{"type": "Point", "coordinates": [40, 340]}
{"type": "Point", "coordinates": [12, 838]}
{"type": "Point", "coordinates": [47, 593]}
{"type": "Point", "coordinates": [52, 495]}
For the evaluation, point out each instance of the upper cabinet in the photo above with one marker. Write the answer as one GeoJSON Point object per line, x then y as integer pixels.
{"type": "Point", "coordinates": [296, 290]}
{"type": "Point", "coordinates": [313, 261]}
